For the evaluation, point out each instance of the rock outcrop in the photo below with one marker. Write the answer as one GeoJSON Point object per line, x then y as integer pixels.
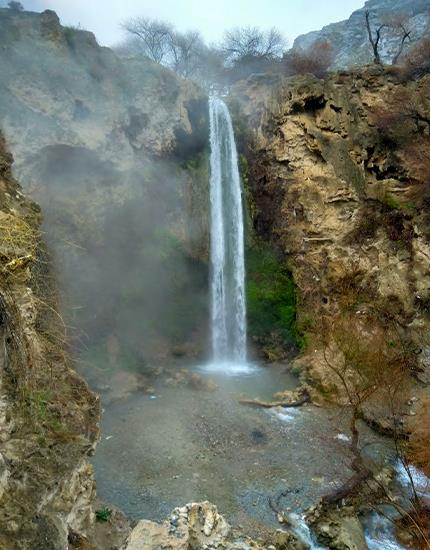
{"type": "Point", "coordinates": [48, 416]}
{"type": "Point", "coordinates": [349, 38]}
{"type": "Point", "coordinates": [199, 526]}
{"type": "Point", "coordinates": [59, 86]}
{"type": "Point", "coordinates": [341, 192]}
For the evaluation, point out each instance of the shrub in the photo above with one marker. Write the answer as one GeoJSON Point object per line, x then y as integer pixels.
{"type": "Point", "coordinates": [417, 62]}
{"type": "Point", "coordinates": [417, 159]}
{"type": "Point", "coordinates": [103, 514]}
{"type": "Point", "coordinates": [15, 6]}
{"type": "Point", "coordinates": [315, 60]}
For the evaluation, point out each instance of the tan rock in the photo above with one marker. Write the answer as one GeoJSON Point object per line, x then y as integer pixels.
{"type": "Point", "coordinates": [334, 198]}
{"type": "Point", "coordinates": [196, 526]}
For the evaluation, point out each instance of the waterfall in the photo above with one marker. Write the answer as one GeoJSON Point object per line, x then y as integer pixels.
{"type": "Point", "coordinates": [228, 309]}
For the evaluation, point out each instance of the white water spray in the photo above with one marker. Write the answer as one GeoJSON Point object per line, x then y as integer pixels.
{"type": "Point", "coordinates": [228, 310]}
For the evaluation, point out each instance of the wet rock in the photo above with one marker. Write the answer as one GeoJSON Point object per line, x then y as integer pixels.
{"type": "Point", "coordinates": [291, 397]}
{"type": "Point", "coordinates": [341, 532]}
{"type": "Point", "coordinates": [285, 540]}
{"type": "Point", "coordinates": [123, 384]}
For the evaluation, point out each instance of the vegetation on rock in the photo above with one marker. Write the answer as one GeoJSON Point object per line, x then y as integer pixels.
{"type": "Point", "coordinates": [50, 418]}
{"type": "Point", "coordinates": [271, 301]}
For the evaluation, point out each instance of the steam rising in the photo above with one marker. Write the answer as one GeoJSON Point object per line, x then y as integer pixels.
{"type": "Point", "coordinates": [96, 143]}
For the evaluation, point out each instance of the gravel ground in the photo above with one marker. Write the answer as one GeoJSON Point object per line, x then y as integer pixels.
{"type": "Point", "coordinates": [182, 445]}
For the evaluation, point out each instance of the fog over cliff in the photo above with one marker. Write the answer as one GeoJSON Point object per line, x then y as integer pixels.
{"type": "Point", "coordinates": [115, 153]}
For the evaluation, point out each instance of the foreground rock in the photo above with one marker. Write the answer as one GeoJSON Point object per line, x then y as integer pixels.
{"type": "Point", "coordinates": [196, 526]}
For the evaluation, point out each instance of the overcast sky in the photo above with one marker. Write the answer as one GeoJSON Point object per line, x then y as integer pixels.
{"type": "Point", "coordinates": [292, 17]}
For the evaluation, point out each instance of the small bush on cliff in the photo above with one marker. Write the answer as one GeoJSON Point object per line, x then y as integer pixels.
{"type": "Point", "coordinates": [417, 62]}
{"type": "Point", "coordinates": [103, 514]}
{"type": "Point", "coordinates": [403, 125]}
{"type": "Point", "coordinates": [314, 61]}
{"type": "Point", "coordinates": [15, 6]}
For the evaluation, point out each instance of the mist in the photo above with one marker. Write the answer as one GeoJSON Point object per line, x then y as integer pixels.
{"type": "Point", "coordinates": [125, 202]}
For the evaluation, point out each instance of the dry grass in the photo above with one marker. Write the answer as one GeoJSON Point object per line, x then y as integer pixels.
{"type": "Point", "coordinates": [18, 242]}
{"type": "Point", "coordinates": [48, 397]}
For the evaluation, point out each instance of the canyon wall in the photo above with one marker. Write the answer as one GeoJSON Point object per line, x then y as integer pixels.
{"type": "Point", "coordinates": [337, 176]}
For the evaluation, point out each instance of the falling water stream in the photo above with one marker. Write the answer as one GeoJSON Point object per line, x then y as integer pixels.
{"type": "Point", "coordinates": [228, 310]}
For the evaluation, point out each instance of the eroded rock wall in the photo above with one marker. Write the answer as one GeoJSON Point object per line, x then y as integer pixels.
{"type": "Point", "coordinates": [338, 175]}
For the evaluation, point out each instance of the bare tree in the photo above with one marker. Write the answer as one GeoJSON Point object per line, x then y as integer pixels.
{"type": "Point", "coordinates": [16, 6]}
{"type": "Point", "coordinates": [161, 42]}
{"type": "Point", "coordinates": [245, 42]}
{"type": "Point", "coordinates": [243, 51]}
{"type": "Point", "coordinates": [184, 49]}
{"type": "Point", "coordinates": [398, 22]}
{"type": "Point", "coordinates": [154, 36]}
{"type": "Point", "coordinates": [374, 40]}
{"type": "Point", "coordinates": [366, 360]}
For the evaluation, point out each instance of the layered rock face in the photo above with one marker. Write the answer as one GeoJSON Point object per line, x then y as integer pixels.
{"type": "Point", "coordinates": [338, 175]}
{"type": "Point", "coordinates": [114, 151]}
{"type": "Point", "coordinates": [48, 416]}
{"type": "Point", "coordinates": [349, 38]}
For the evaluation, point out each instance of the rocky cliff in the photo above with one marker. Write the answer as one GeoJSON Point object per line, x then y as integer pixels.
{"type": "Point", "coordinates": [349, 38]}
{"type": "Point", "coordinates": [48, 416]}
{"type": "Point", "coordinates": [338, 178]}
{"type": "Point", "coordinates": [114, 151]}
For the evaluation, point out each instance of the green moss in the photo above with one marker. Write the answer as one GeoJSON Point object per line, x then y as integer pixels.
{"type": "Point", "coordinates": [244, 168]}
{"type": "Point", "coordinates": [391, 202]}
{"type": "Point", "coordinates": [303, 329]}
{"type": "Point", "coordinates": [271, 296]}
{"type": "Point", "coordinates": [410, 206]}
